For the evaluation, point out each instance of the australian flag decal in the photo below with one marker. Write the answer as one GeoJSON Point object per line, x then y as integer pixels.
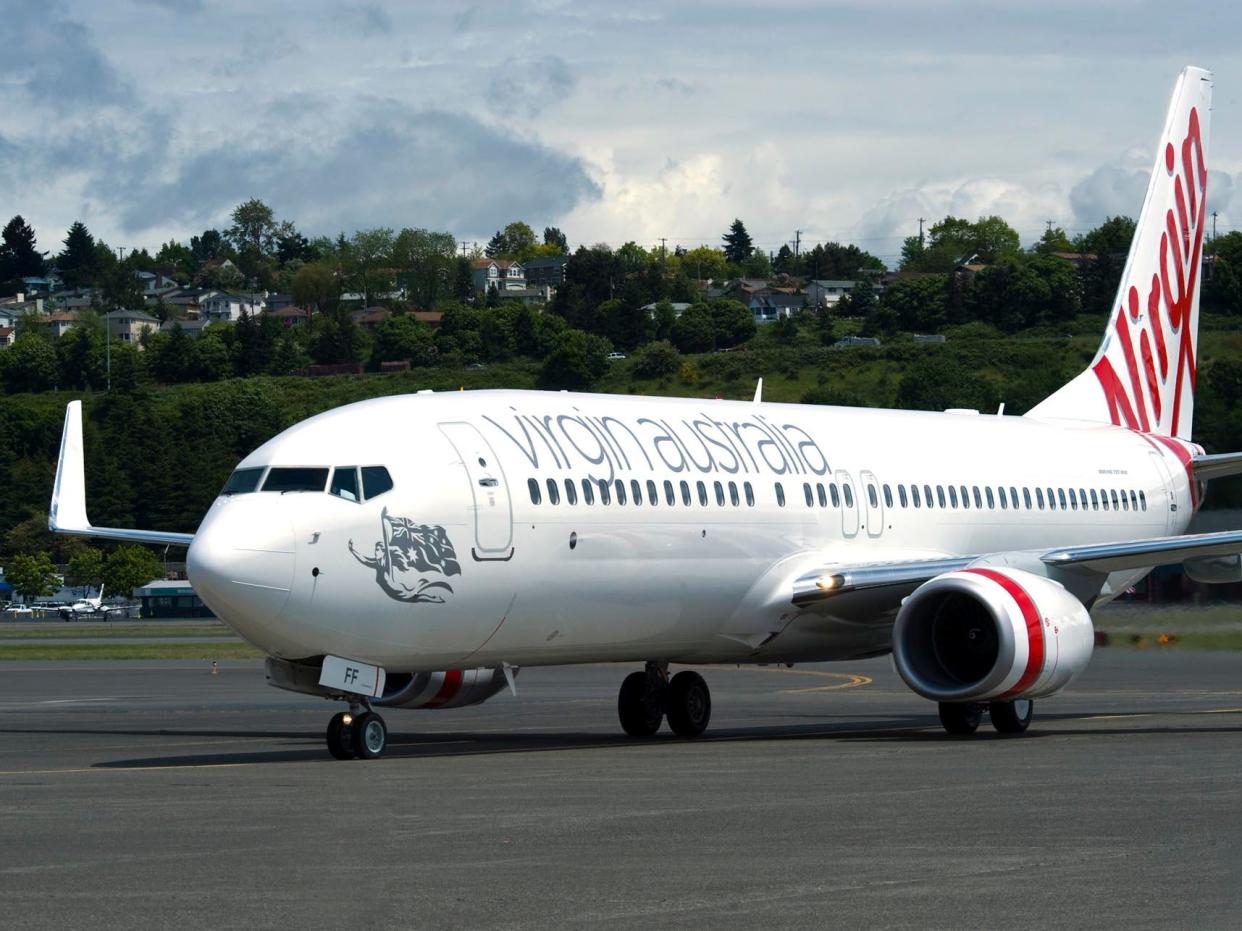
{"type": "Point", "coordinates": [407, 555]}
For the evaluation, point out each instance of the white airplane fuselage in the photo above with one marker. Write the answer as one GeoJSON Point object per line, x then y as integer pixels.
{"type": "Point", "coordinates": [307, 573]}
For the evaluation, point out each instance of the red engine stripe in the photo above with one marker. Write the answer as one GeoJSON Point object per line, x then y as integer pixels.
{"type": "Point", "coordinates": [1034, 629]}
{"type": "Point", "coordinates": [448, 689]}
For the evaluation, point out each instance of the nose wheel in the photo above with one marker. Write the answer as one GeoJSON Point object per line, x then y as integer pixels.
{"type": "Point", "coordinates": [362, 735]}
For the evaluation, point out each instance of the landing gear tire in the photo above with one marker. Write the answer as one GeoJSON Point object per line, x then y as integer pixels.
{"type": "Point", "coordinates": [1012, 717]}
{"type": "Point", "coordinates": [688, 704]}
{"type": "Point", "coordinates": [640, 705]}
{"type": "Point", "coordinates": [340, 738]}
{"type": "Point", "coordinates": [370, 735]}
{"type": "Point", "coordinates": [960, 718]}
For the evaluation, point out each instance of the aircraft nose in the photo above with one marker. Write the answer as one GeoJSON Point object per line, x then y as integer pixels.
{"type": "Point", "coordinates": [242, 559]}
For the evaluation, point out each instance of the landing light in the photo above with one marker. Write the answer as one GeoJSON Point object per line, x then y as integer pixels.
{"type": "Point", "coordinates": [347, 719]}
{"type": "Point", "coordinates": [826, 583]}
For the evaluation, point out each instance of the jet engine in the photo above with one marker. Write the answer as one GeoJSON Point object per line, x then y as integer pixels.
{"type": "Point", "coordinates": [454, 688]}
{"type": "Point", "coordinates": [990, 633]}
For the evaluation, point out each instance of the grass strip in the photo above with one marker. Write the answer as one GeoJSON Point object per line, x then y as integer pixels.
{"type": "Point", "coordinates": [82, 632]}
{"type": "Point", "coordinates": [234, 649]}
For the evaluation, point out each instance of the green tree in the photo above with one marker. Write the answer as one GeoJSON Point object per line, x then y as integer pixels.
{"type": "Point", "coordinates": [1053, 240]}
{"type": "Point", "coordinates": [32, 575]}
{"type": "Point", "coordinates": [30, 363]}
{"type": "Point", "coordinates": [127, 567]}
{"type": "Point", "coordinates": [370, 261]}
{"type": "Point", "coordinates": [936, 382]}
{"type": "Point", "coordinates": [576, 362]}
{"type": "Point", "coordinates": [695, 329]}
{"type": "Point", "coordinates": [1109, 243]}
{"type": "Point", "coordinates": [77, 262]}
{"type": "Point", "coordinates": [18, 256]}
{"type": "Point", "coordinates": [703, 262]}
{"type": "Point", "coordinates": [657, 360]}
{"type": "Point", "coordinates": [552, 236]}
{"type": "Point", "coordinates": [254, 227]}
{"type": "Point", "coordinates": [403, 337]}
{"type": "Point", "coordinates": [515, 241]}
{"type": "Point", "coordinates": [317, 286]}
{"type": "Point", "coordinates": [427, 264]}
{"type": "Point", "coordinates": [85, 569]}
{"type": "Point", "coordinates": [80, 353]}
{"type": "Point", "coordinates": [732, 322]}
{"type": "Point", "coordinates": [737, 244]}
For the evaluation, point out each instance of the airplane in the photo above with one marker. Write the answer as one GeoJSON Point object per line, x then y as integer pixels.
{"type": "Point", "coordinates": [85, 606]}
{"type": "Point", "coordinates": [416, 551]}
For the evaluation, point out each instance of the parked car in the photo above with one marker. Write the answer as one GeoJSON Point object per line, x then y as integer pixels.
{"type": "Point", "coordinates": [19, 610]}
{"type": "Point", "coordinates": [613, 356]}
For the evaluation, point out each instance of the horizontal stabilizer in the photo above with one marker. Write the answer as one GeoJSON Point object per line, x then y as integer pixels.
{"type": "Point", "coordinates": [1217, 466]}
{"type": "Point", "coordinates": [67, 513]}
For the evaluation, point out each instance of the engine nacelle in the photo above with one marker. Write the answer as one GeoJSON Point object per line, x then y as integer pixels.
{"type": "Point", "coordinates": [454, 688]}
{"type": "Point", "coordinates": [991, 633]}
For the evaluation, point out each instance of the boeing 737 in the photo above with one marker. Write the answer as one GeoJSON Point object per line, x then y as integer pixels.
{"type": "Point", "coordinates": [415, 551]}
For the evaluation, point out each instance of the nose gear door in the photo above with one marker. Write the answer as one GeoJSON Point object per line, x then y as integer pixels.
{"type": "Point", "coordinates": [493, 511]}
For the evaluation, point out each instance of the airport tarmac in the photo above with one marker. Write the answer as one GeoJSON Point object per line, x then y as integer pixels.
{"type": "Point", "coordinates": [160, 795]}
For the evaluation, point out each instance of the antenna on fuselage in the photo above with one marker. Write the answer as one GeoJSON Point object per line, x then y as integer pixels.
{"type": "Point", "coordinates": [759, 392]}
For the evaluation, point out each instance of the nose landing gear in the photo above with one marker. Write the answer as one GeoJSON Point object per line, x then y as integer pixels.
{"type": "Point", "coordinates": [359, 732]}
{"type": "Point", "coordinates": [648, 697]}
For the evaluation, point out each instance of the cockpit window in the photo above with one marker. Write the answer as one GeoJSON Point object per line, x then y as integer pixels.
{"type": "Point", "coordinates": [243, 481]}
{"type": "Point", "coordinates": [375, 481]}
{"type": "Point", "coordinates": [345, 483]}
{"type": "Point", "coordinates": [296, 479]}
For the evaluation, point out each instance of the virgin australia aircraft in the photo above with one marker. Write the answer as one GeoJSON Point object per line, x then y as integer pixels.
{"type": "Point", "coordinates": [415, 551]}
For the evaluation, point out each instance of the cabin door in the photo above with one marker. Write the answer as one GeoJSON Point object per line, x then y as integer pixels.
{"type": "Point", "coordinates": [849, 504]}
{"type": "Point", "coordinates": [493, 511]}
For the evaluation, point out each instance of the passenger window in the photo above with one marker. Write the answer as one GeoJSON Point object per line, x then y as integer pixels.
{"type": "Point", "coordinates": [848, 493]}
{"type": "Point", "coordinates": [1104, 499]}
{"type": "Point", "coordinates": [750, 494]}
{"type": "Point", "coordinates": [605, 491]}
{"type": "Point", "coordinates": [554, 494]}
{"type": "Point", "coordinates": [620, 490]}
{"type": "Point", "coordinates": [1143, 499]}
{"type": "Point", "coordinates": [1073, 498]}
{"type": "Point", "coordinates": [1026, 499]}
{"type": "Point", "coordinates": [978, 500]}
{"type": "Point", "coordinates": [1052, 500]}
{"type": "Point", "coordinates": [653, 494]}
{"type": "Point", "coordinates": [733, 497]}
{"type": "Point", "coordinates": [1013, 497]}
{"type": "Point", "coordinates": [571, 491]}
{"type": "Point", "coordinates": [296, 479]}
{"type": "Point", "coordinates": [965, 498]}
{"type": "Point", "coordinates": [636, 491]}
{"type": "Point", "coordinates": [901, 495]}
{"type": "Point", "coordinates": [888, 497]}
{"type": "Point", "coordinates": [532, 485]}
{"type": "Point", "coordinates": [819, 493]}
{"type": "Point", "coordinates": [1039, 495]}
{"type": "Point", "coordinates": [375, 481]}
{"type": "Point", "coordinates": [1061, 498]}
{"type": "Point", "coordinates": [914, 496]}
{"type": "Point", "coordinates": [702, 494]}
{"type": "Point", "coordinates": [1113, 494]}
{"type": "Point", "coordinates": [927, 496]}
{"type": "Point", "coordinates": [780, 495]}
{"type": "Point", "coordinates": [243, 481]}
{"type": "Point", "coordinates": [1133, 501]}
{"type": "Point", "coordinates": [872, 496]}
{"type": "Point", "coordinates": [345, 483]}
{"type": "Point", "coordinates": [834, 494]}
{"type": "Point", "coordinates": [588, 491]}
{"type": "Point", "coordinates": [991, 503]}
{"type": "Point", "coordinates": [1082, 497]}
{"type": "Point", "coordinates": [685, 494]}
{"type": "Point", "coordinates": [670, 497]}
{"type": "Point", "coordinates": [1125, 504]}
{"type": "Point", "coordinates": [806, 490]}
{"type": "Point", "coordinates": [952, 497]}
{"type": "Point", "coordinates": [1095, 502]}
{"type": "Point", "coordinates": [720, 499]}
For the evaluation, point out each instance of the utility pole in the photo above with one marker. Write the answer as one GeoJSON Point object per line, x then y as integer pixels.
{"type": "Point", "coordinates": [1213, 226]}
{"type": "Point", "coordinates": [664, 239]}
{"type": "Point", "coordinates": [121, 250]}
{"type": "Point", "coordinates": [1049, 222]}
{"type": "Point", "coordinates": [463, 248]}
{"type": "Point", "coordinates": [797, 242]}
{"type": "Point", "coordinates": [920, 232]}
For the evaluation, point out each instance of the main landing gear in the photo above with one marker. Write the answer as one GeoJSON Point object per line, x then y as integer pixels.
{"type": "Point", "coordinates": [1008, 717]}
{"type": "Point", "coordinates": [359, 732]}
{"type": "Point", "coordinates": [650, 696]}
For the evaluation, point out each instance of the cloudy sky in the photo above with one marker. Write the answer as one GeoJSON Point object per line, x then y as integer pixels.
{"type": "Point", "coordinates": [151, 119]}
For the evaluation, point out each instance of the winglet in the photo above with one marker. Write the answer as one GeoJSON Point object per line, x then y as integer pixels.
{"type": "Point", "coordinates": [67, 513]}
{"type": "Point", "coordinates": [759, 391]}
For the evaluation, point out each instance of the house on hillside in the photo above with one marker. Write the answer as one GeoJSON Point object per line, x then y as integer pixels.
{"type": "Point", "coordinates": [224, 307]}
{"type": "Point", "coordinates": [289, 315]}
{"type": "Point", "coordinates": [679, 308]}
{"type": "Point", "coordinates": [278, 301]}
{"type": "Point", "coordinates": [432, 318]}
{"type": "Point", "coordinates": [546, 272]}
{"type": "Point", "coordinates": [765, 302]}
{"type": "Point", "coordinates": [501, 274]}
{"type": "Point", "coordinates": [129, 325]}
{"type": "Point", "coordinates": [60, 322]}
{"type": "Point", "coordinates": [182, 302]}
{"type": "Point", "coordinates": [153, 282]}
{"type": "Point", "coordinates": [191, 327]}
{"type": "Point", "coordinates": [6, 336]}
{"type": "Point", "coordinates": [370, 317]}
{"type": "Point", "coordinates": [825, 292]}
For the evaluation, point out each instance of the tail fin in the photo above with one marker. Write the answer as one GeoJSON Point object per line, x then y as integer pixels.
{"type": "Point", "coordinates": [1143, 376]}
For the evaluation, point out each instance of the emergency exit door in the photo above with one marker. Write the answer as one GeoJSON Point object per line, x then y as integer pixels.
{"type": "Point", "coordinates": [493, 511]}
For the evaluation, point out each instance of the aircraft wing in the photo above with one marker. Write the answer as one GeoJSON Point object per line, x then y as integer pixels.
{"type": "Point", "coordinates": [67, 513]}
{"type": "Point", "coordinates": [1219, 465]}
{"type": "Point", "coordinates": [903, 576]}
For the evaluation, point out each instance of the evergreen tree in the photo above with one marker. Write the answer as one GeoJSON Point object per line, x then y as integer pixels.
{"type": "Point", "coordinates": [552, 236]}
{"type": "Point", "coordinates": [77, 263]}
{"type": "Point", "coordinates": [18, 256]}
{"type": "Point", "coordinates": [737, 244]}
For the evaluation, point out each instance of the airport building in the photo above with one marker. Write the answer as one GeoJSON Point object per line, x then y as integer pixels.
{"type": "Point", "coordinates": [170, 598]}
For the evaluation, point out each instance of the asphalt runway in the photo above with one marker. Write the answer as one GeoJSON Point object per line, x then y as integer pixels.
{"type": "Point", "coordinates": [159, 795]}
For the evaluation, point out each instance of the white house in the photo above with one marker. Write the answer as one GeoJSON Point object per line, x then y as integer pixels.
{"type": "Point", "coordinates": [224, 307]}
{"type": "Point", "coordinates": [501, 274]}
